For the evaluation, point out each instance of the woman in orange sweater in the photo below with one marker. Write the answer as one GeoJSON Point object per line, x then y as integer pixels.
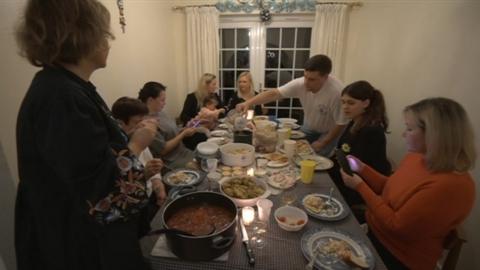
{"type": "Point", "coordinates": [411, 212]}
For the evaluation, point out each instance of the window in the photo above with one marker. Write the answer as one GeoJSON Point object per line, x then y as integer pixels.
{"type": "Point", "coordinates": [274, 54]}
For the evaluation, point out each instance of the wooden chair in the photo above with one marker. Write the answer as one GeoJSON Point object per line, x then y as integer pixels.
{"type": "Point", "coordinates": [453, 244]}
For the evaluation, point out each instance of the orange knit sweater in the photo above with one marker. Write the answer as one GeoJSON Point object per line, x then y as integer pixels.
{"type": "Point", "coordinates": [412, 211]}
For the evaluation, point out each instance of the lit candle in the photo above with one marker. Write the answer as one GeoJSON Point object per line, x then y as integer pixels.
{"type": "Point", "coordinates": [250, 114]}
{"type": "Point", "coordinates": [248, 215]}
{"type": "Point", "coordinates": [250, 172]}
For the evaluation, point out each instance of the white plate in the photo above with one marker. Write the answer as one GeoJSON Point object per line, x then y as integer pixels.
{"type": "Point", "coordinates": [191, 177]}
{"type": "Point", "coordinates": [323, 163]}
{"type": "Point", "coordinates": [218, 140]}
{"type": "Point", "coordinates": [320, 237]}
{"type": "Point", "coordinates": [219, 133]}
{"type": "Point", "coordinates": [276, 164]}
{"type": "Point", "coordinates": [287, 120]}
{"type": "Point", "coordinates": [281, 180]}
{"type": "Point", "coordinates": [336, 213]}
{"type": "Point", "coordinates": [297, 134]}
{"type": "Point", "coordinates": [290, 125]}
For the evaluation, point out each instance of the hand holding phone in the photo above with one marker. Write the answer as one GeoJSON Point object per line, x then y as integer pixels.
{"type": "Point", "coordinates": [343, 162]}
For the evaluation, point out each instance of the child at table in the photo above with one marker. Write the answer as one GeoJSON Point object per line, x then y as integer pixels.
{"type": "Point", "coordinates": [208, 115]}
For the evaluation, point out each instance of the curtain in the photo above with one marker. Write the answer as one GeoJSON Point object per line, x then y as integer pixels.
{"type": "Point", "coordinates": [202, 43]}
{"type": "Point", "coordinates": [328, 34]}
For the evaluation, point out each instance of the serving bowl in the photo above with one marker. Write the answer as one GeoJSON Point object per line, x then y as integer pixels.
{"type": "Point", "coordinates": [207, 148]}
{"type": "Point", "coordinates": [237, 154]}
{"type": "Point", "coordinates": [290, 218]}
{"type": "Point", "coordinates": [226, 183]}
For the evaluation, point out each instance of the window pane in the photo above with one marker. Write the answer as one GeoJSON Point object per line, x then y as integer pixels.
{"type": "Point", "coordinates": [285, 77]}
{"type": "Point", "coordinates": [242, 38]}
{"type": "Point", "coordinates": [283, 113]}
{"type": "Point", "coordinates": [287, 59]}
{"type": "Point", "coordinates": [228, 78]}
{"type": "Point", "coordinates": [298, 114]}
{"type": "Point", "coordinates": [227, 94]}
{"type": "Point", "coordinates": [288, 37]}
{"type": "Point", "coordinates": [303, 37]}
{"type": "Point", "coordinates": [243, 60]}
{"type": "Point", "coordinates": [228, 58]}
{"type": "Point", "coordinates": [271, 79]}
{"type": "Point", "coordinates": [298, 74]}
{"type": "Point", "coordinates": [296, 103]}
{"type": "Point", "coordinates": [300, 58]}
{"type": "Point", "coordinates": [228, 38]}
{"type": "Point", "coordinates": [272, 59]}
{"type": "Point", "coordinates": [284, 102]}
{"type": "Point", "coordinates": [273, 37]}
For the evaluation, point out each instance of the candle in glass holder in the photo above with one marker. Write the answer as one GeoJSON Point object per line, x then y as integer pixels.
{"type": "Point", "coordinates": [248, 215]}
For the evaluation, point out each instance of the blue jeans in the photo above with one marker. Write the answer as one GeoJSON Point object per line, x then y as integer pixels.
{"type": "Point", "coordinates": [311, 136]}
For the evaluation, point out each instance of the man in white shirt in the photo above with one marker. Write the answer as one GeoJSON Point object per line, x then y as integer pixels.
{"type": "Point", "coordinates": [319, 93]}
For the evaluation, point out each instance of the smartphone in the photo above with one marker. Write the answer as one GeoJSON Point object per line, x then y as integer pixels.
{"type": "Point", "coordinates": [343, 162]}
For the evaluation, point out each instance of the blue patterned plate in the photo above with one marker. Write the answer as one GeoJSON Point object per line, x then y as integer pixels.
{"type": "Point", "coordinates": [319, 239]}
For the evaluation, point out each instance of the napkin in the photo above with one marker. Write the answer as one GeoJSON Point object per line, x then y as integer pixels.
{"type": "Point", "coordinates": [161, 250]}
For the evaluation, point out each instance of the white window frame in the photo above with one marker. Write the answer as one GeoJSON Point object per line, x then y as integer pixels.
{"type": "Point", "coordinates": [257, 46]}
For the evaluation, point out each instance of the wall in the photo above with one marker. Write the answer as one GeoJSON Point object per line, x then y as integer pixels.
{"type": "Point", "coordinates": [416, 49]}
{"type": "Point", "coordinates": [408, 49]}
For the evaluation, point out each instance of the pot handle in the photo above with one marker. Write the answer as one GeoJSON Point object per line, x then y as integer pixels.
{"type": "Point", "coordinates": [222, 242]}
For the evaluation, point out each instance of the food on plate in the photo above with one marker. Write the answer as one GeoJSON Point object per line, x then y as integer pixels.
{"type": "Point", "coordinates": [342, 250]}
{"type": "Point", "coordinates": [242, 188]}
{"type": "Point", "coordinates": [281, 180]}
{"type": "Point", "coordinates": [179, 178]}
{"type": "Point", "coordinates": [277, 157]}
{"type": "Point", "coordinates": [238, 151]}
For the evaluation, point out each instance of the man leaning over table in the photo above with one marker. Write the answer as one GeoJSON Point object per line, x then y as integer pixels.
{"type": "Point", "coordinates": [319, 94]}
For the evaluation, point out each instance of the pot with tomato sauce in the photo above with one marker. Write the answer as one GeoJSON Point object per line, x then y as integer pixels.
{"type": "Point", "coordinates": [200, 226]}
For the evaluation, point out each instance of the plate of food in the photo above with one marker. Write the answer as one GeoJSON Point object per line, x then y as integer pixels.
{"type": "Point", "coordinates": [182, 177]}
{"type": "Point", "coordinates": [297, 134]}
{"type": "Point", "coordinates": [316, 206]}
{"type": "Point", "coordinates": [281, 179]}
{"type": "Point", "coordinates": [336, 250]}
{"type": "Point", "coordinates": [219, 133]}
{"type": "Point", "coordinates": [287, 120]}
{"type": "Point", "coordinates": [289, 125]}
{"type": "Point", "coordinates": [277, 160]}
{"type": "Point", "coordinates": [322, 163]}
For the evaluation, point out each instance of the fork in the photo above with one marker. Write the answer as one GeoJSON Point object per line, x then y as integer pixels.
{"type": "Point", "coordinates": [329, 201]}
{"type": "Point", "coordinates": [315, 252]}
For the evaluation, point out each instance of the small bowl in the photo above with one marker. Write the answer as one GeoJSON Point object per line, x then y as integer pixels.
{"type": "Point", "coordinates": [290, 218]}
{"type": "Point", "coordinates": [207, 148]}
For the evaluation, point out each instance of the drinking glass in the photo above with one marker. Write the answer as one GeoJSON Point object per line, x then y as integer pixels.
{"type": "Point", "coordinates": [212, 164]}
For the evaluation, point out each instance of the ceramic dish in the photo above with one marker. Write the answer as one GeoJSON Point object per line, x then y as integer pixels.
{"type": "Point", "coordinates": [323, 163]}
{"type": "Point", "coordinates": [219, 133]}
{"type": "Point", "coordinates": [297, 134]}
{"type": "Point", "coordinates": [182, 177]}
{"type": "Point", "coordinates": [315, 206]}
{"type": "Point", "coordinates": [322, 242]}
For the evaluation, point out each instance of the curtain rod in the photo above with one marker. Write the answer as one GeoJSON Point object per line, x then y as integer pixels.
{"type": "Point", "coordinates": [350, 4]}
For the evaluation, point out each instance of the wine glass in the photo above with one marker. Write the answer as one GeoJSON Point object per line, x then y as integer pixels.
{"type": "Point", "coordinates": [289, 196]}
{"type": "Point", "coordinates": [259, 229]}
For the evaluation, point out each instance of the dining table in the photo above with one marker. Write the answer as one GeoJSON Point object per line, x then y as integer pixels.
{"type": "Point", "coordinates": [282, 249]}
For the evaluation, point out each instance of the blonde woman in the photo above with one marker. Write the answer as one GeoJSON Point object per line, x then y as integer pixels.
{"type": "Point", "coordinates": [207, 86]}
{"type": "Point", "coordinates": [411, 213]}
{"type": "Point", "coordinates": [245, 92]}
{"type": "Point", "coordinates": [81, 185]}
